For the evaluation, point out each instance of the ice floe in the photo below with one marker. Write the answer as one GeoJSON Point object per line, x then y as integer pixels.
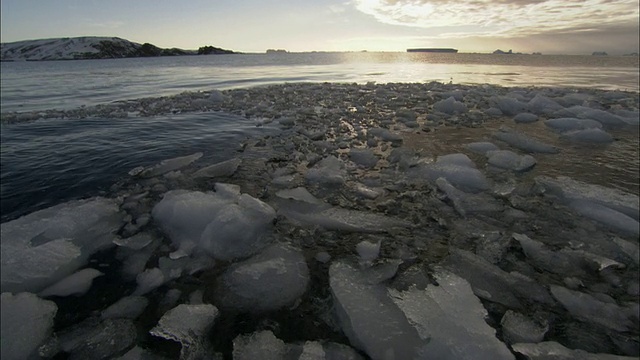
{"type": "Point", "coordinates": [27, 321]}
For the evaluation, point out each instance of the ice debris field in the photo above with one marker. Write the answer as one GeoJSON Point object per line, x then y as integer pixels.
{"type": "Point", "coordinates": [337, 238]}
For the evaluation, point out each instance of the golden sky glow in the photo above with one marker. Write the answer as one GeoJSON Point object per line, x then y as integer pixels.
{"type": "Point", "coordinates": [549, 26]}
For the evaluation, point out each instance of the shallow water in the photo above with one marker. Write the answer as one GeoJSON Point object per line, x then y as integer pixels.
{"type": "Point", "coordinates": [46, 161]}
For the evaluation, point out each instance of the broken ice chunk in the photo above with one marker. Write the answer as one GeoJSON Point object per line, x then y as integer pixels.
{"type": "Point", "coordinates": [259, 345]}
{"type": "Point", "coordinates": [76, 284]}
{"type": "Point", "coordinates": [570, 124]}
{"type": "Point", "coordinates": [344, 219]}
{"type": "Point", "coordinates": [613, 219]}
{"type": "Point", "coordinates": [148, 281]}
{"type": "Point", "coordinates": [588, 136]}
{"type": "Point", "coordinates": [135, 242]}
{"type": "Point", "coordinates": [368, 251]}
{"type": "Point", "coordinates": [26, 323]}
{"type": "Point", "coordinates": [524, 142]}
{"type": "Point", "coordinates": [450, 106]}
{"type": "Point", "coordinates": [525, 118]}
{"type": "Point", "coordinates": [188, 325]}
{"type": "Point", "coordinates": [569, 189]}
{"type": "Point", "coordinates": [509, 106]}
{"type": "Point", "coordinates": [468, 204]}
{"type": "Point", "coordinates": [541, 104]}
{"type": "Point", "coordinates": [587, 308]}
{"type": "Point", "coordinates": [91, 339]}
{"type": "Point", "coordinates": [328, 171]}
{"type": "Point", "coordinates": [363, 157]}
{"type": "Point", "coordinates": [274, 278]}
{"type": "Point", "coordinates": [299, 194]}
{"type": "Point", "coordinates": [518, 328]}
{"type": "Point", "coordinates": [129, 307]}
{"type": "Point", "coordinates": [221, 169]}
{"type": "Point", "coordinates": [551, 350]}
{"type": "Point", "coordinates": [481, 147]}
{"type": "Point", "coordinates": [168, 165]}
{"type": "Point", "coordinates": [452, 318]}
{"type": "Point", "coordinates": [224, 225]}
{"type": "Point", "coordinates": [509, 160]}
{"type": "Point", "coordinates": [43, 247]}
{"type": "Point", "coordinates": [369, 318]}
{"type": "Point", "coordinates": [464, 177]}
{"type": "Point", "coordinates": [455, 159]}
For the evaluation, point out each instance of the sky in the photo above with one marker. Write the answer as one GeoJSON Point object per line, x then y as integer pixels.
{"type": "Point", "coordinates": [547, 26]}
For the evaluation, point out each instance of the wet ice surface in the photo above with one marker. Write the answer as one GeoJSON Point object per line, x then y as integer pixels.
{"type": "Point", "coordinates": [371, 224]}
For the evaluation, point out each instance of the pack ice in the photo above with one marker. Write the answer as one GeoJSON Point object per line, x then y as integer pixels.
{"type": "Point", "coordinates": [226, 224]}
{"type": "Point", "coordinates": [44, 247]}
{"type": "Point", "coordinates": [27, 321]}
{"type": "Point", "coordinates": [440, 322]}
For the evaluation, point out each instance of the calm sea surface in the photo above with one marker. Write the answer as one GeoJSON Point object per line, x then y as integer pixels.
{"type": "Point", "coordinates": [69, 84]}
{"type": "Point", "coordinates": [47, 162]}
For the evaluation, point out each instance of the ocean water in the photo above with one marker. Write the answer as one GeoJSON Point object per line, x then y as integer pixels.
{"type": "Point", "coordinates": [27, 86]}
{"type": "Point", "coordinates": [49, 161]}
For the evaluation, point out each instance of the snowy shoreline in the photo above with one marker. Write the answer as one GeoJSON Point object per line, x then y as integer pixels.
{"type": "Point", "coordinates": [337, 238]}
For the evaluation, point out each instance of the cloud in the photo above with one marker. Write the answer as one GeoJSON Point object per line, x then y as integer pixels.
{"type": "Point", "coordinates": [503, 17]}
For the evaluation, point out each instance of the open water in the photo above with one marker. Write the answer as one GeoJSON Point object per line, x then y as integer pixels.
{"type": "Point", "coordinates": [49, 161]}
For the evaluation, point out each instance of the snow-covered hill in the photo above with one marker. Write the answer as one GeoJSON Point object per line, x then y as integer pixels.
{"type": "Point", "coordinates": [88, 47]}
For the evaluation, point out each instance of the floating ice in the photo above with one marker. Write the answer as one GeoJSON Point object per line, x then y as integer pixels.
{"type": "Point", "coordinates": [299, 194]}
{"type": "Point", "coordinates": [457, 169]}
{"type": "Point", "coordinates": [563, 263]}
{"type": "Point", "coordinates": [551, 350]}
{"type": "Point", "coordinates": [91, 339]}
{"type": "Point", "coordinates": [518, 328]}
{"type": "Point", "coordinates": [492, 283]}
{"type": "Point", "coordinates": [506, 159]}
{"type": "Point", "coordinates": [369, 317]}
{"type": "Point", "coordinates": [328, 171]}
{"type": "Point", "coordinates": [188, 325]}
{"type": "Point", "coordinates": [168, 165]}
{"type": "Point", "coordinates": [26, 323]}
{"type": "Point", "coordinates": [525, 118]}
{"type": "Point", "coordinates": [588, 136]}
{"type": "Point", "coordinates": [510, 106]}
{"type": "Point", "coordinates": [222, 169]}
{"type": "Point", "coordinates": [450, 106]}
{"type": "Point", "coordinates": [259, 345]}
{"type": "Point", "coordinates": [452, 318]}
{"type": "Point", "coordinates": [45, 246]}
{"type": "Point", "coordinates": [455, 159]}
{"type": "Point", "coordinates": [76, 284]}
{"type": "Point", "coordinates": [368, 251]}
{"type": "Point", "coordinates": [344, 219]}
{"type": "Point", "coordinates": [443, 322]}
{"type": "Point", "coordinates": [136, 242]}
{"type": "Point", "coordinates": [481, 147]}
{"type": "Point", "coordinates": [363, 157]}
{"type": "Point", "coordinates": [541, 104]}
{"type": "Point", "coordinates": [148, 281]}
{"type": "Point", "coordinates": [468, 204]}
{"type": "Point", "coordinates": [385, 134]}
{"type": "Point", "coordinates": [613, 219]}
{"type": "Point", "coordinates": [274, 278]}
{"type": "Point", "coordinates": [569, 124]}
{"type": "Point", "coordinates": [587, 308]}
{"type": "Point", "coordinates": [226, 226]}
{"type": "Point", "coordinates": [129, 307]}
{"type": "Point", "coordinates": [524, 142]}
{"type": "Point", "coordinates": [603, 117]}
{"type": "Point", "coordinates": [568, 190]}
